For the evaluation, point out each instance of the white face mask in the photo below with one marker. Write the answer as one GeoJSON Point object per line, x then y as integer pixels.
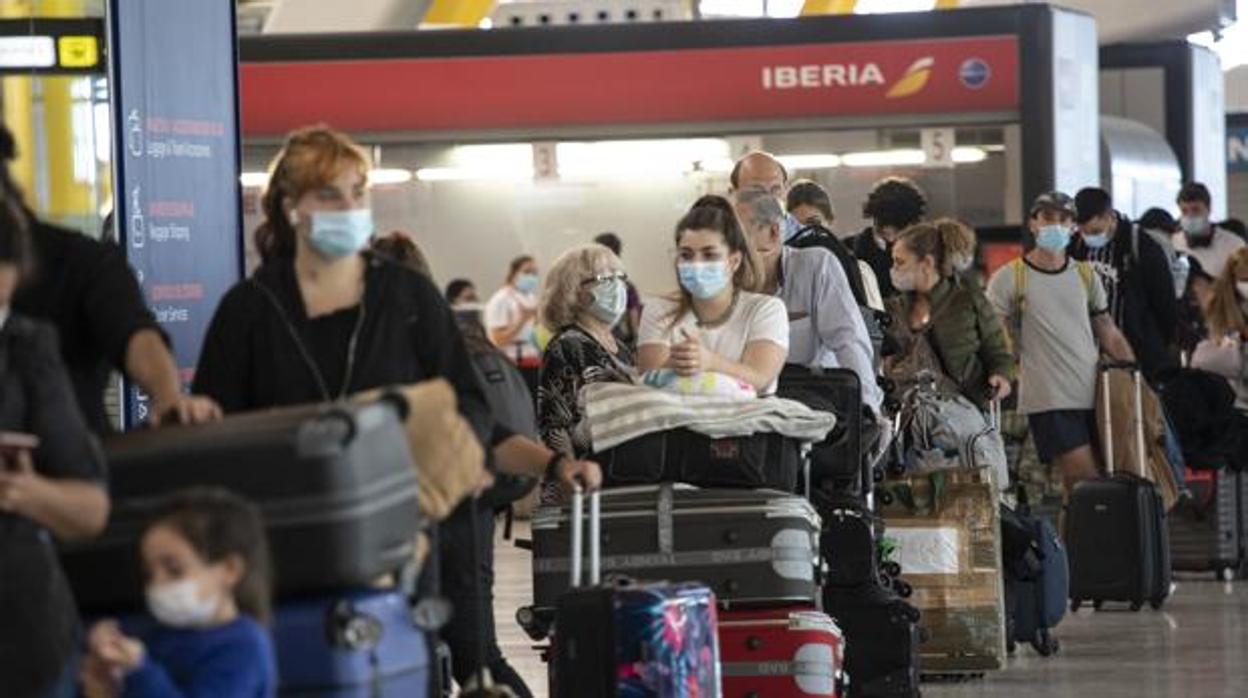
{"type": "Point", "coordinates": [180, 605]}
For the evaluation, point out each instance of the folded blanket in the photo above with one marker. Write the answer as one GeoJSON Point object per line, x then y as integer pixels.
{"type": "Point", "coordinates": [618, 412]}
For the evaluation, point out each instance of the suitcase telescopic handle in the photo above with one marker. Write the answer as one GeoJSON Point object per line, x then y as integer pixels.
{"type": "Point", "coordinates": [578, 539]}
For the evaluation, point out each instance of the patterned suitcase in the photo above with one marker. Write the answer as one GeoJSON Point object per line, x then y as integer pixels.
{"type": "Point", "coordinates": [755, 547]}
{"type": "Point", "coordinates": [627, 639]}
{"type": "Point", "coordinates": [783, 653]}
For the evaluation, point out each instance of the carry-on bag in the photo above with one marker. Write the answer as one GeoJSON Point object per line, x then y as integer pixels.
{"type": "Point", "coordinates": [352, 644]}
{"type": "Point", "coordinates": [1207, 534]}
{"type": "Point", "coordinates": [1116, 531]}
{"type": "Point", "coordinates": [750, 547]}
{"type": "Point", "coordinates": [881, 640]}
{"type": "Point", "coordinates": [769, 461]}
{"type": "Point", "coordinates": [621, 638]}
{"type": "Point", "coordinates": [837, 462]}
{"type": "Point", "coordinates": [334, 483]}
{"type": "Point", "coordinates": [1037, 579]}
{"type": "Point", "coordinates": [781, 653]}
{"type": "Point", "coordinates": [947, 540]}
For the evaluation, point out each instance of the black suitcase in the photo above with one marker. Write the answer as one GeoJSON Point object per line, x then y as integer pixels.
{"type": "Point", "coordinates": [749, 547]}
{"type": "Point", "coordinates": [1207, 534]}
{"type": "Point", "coordinates": [1116, 533]}
{"type": "Point", "coordinates": [836, 463]}
{"type": "Point", "coordinates": [335, 484]}
{"type": "Point", "coordinates": [881, 641]}
{"type": "Point", "coordinates": [766, 461]}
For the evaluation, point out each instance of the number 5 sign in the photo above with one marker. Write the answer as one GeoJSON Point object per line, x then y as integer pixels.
{"type": "Point", "coordinates": [938, 146]}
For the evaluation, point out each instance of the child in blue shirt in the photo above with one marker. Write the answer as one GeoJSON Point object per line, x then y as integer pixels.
{"type": "Point", "coordinates": [208, 587]}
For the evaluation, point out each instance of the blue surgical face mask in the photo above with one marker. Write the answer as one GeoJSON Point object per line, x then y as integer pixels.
{"type": "Point", "coordinates": [1097, 241]}
{"type": "Point", "coordinates": [610, 297]}
{"type": "Point", "coordinates": [703, 280]}
{"type": "Point", "coordinates": [1053, 238]}
{"type": "Point", "coordinates": [1195, 226]}
{"type": "Point", "coordinates": [337, 234]}
{"type": "Point", "coordinates": [790, 227]}
{"type": "Point", "coordinates": [527, 283]}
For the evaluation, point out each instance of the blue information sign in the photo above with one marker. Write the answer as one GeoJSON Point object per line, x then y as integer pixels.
{"type": "Point", "coordinates": [1237, 148]}
{"type": "Point", "coordinates": [173, 67]}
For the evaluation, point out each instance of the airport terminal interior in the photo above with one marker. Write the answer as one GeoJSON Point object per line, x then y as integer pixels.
{"type": "Point", "coordinates": [623, 348]}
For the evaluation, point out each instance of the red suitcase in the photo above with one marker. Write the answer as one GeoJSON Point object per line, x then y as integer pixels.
{"type": "Point", "coordinates": [784, 653]}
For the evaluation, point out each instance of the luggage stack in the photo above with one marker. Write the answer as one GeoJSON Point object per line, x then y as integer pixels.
{"type": "Point", "coordinates": [338, 494]}
{"type": "Point", "coordinates": [946, 532]}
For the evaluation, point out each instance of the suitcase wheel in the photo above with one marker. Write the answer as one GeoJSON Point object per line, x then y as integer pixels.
{"type": "Point", "coordinates": [892, 569]}
{"type": "Point", "coordinates": [1075, 605]}
{"type": "Point", "coordinates": [1011, 646]}
{"type": "Point", "coordinates": [1226, 573]}
{"type": "Point", "coordinates": [1045, 644]}
{"type": "Point", "coordinates": [1096, 605]}
{"type": "Point", "coordinates": [1156, 604]}
{"type": "Point", "coordinates": [903, 589]}
{"type": "Point", "coordinates": [1136, 606]}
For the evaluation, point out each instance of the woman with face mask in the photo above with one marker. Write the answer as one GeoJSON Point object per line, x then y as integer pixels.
{"type": "Point", "coordinates": [935, 305]}
{"type": "Point", "coordinates": [206, 562]}
{"type": "Point", "coordinates": [510, 313]}
{"type": "Point", "coordinates": [585, 295]}
{"type": "Point", "coordinates": [716, 322]}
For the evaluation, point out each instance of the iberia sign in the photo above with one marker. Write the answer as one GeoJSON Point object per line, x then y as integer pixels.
{"type": "Point", "coordinates": [973, 74]}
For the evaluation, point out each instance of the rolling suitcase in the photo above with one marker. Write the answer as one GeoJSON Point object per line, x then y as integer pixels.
{"type": "Point", "coordinates": [783, 653]}
{"type": "Point", "coordinates": [881, 640]}
{"type": "Point", "coordinates": [356, 644]}
{"type": "Point", "coordinates": [1209, 535]}
{"type": "Point", "coordinates": [334, 483]}
{"type": "Point", "coordinates": [1116, 532]}
{"type": "Point", "coordinates": [626, 639]}
{"type": "Point", "coordinates": [749, 547]}
{"type": "Point", "coordinates": [1037, 580]}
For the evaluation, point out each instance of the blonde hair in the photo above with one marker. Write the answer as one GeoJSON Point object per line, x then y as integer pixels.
{"type": "Point", "coordinates": [1224, 313]}
{"type": "Point", "coordinates": [562, 301]}
{"type": "Point", "coordinates": [949, 242]}
{"type": "Point", "coordinates": [310, 159]}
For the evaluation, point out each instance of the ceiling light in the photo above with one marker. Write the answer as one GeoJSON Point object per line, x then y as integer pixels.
{"type": "Point", "coordinates": [254, 179]}
{"type": "Point", "coordinates": [813, 161]}
{"type": "Point", "coordinates": [389, 176]}
{"type": "Point", "coordinates": [965, 154]}
{"type": "Point", "coordinates": [461, 174]}
{"type": "Point", "coordinates": [884, 158]}
{"type": "Point", "coordinates": [870, 7]}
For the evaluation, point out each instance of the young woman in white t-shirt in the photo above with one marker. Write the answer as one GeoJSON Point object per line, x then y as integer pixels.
{"type": "Point", "coordinates": [511, 311]}
{"type": "Point", "coordinates": [715, 322]}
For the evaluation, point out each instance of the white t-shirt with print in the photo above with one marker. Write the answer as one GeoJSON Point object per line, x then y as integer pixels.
{"type": "Point", "coordinates": [755, 318]}
{"type": "Point", "coordinates": [503, 310]}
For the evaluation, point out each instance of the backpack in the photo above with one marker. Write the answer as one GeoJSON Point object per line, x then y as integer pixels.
{"type": "Point", "coordinates": [511, 403]}
{"type": "Point", "coordinates": [942, 430]}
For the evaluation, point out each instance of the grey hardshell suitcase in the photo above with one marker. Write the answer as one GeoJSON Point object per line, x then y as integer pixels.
{"type": "Point", "coordinates": [751, 547]}
{"type": "Point", "coordinates": [1211, 535]}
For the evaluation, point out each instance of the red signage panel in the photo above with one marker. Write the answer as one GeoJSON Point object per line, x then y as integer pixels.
{"type": "Point", "coordinates": [973, 74]}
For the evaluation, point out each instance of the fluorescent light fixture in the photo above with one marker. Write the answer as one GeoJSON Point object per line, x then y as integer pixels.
{"type": "Point", "coordinates": [507, 156]}
{"type": "Point", "coordinates": [389, 176]}
{"type": "Point", "coordinates": [464, 174]}
{"type": "Point", "coordinates": [871, 7]}
{"type": "Point", "coordinates": [254, 179]}
{"type": "Point", "coordinates": [637, 158]}
{"type": "Point", "coordinates": [968, 154]}
{"type": "Point", "coordinates": [715, 165]}
{"type": "Point", "coordinates": [885, 158]}
{"type": "Point", "coordinates": [814, 161]}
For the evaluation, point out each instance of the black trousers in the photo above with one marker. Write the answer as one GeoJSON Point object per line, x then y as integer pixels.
{"type": "Point", "coordinates": [470, 589]}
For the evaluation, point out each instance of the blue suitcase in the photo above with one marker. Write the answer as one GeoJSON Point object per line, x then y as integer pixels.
{"type": "Point", "coordinates": [1037, 584]}
{"type": "Point", "coordinates": [355, 644]}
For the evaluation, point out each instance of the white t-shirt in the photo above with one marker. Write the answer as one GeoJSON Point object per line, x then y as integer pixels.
{"type": "Point", "coordinates": [1212, 257]}
{"type": "Point", "coordinates": [756, 318]}
{"type": "Point", "coordinates": [503, 310]}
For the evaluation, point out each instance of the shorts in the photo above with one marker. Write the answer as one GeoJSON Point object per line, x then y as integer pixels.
{"type": "Point", "coordinates": [1059, 432]}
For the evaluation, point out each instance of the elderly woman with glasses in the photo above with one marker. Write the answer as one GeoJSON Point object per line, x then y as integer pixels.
{"type": "Point", "coordinates": [585, 295]}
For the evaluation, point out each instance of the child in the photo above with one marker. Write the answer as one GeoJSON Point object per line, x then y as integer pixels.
{"type": "Point", "coordinates": [207, 568]}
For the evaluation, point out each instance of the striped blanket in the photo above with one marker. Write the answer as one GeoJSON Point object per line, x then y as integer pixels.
{"type": "Point", "coordinates": [619, 412]}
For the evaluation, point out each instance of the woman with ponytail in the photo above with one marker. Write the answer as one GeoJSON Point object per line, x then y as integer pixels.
{"type": "Point", "coordinates": [935, 304]}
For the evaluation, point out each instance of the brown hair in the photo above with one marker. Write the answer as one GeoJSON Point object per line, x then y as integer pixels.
{"type": "Point", "coordinates": [404, 250]}
{"type": "Point", "coordinates": [1224, 313]}
{"type": "Point", "coordinates": [217, 524]}
{"type": "Point", "coordinates": [713, 212]}
{"type": "Point", "coordinates": [809, 193]}
{"type": "Point", "coordinates": [513, 269]}
{"type": "Point", "coordinates": [311, 158]}
{"type": "Point", "coordinates": [949, 242]}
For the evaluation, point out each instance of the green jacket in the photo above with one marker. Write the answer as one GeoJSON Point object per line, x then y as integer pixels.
{"type": "Point", "coordinates": [966, 333]}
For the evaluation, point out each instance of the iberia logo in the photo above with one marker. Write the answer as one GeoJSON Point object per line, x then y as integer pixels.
{"type": "Point", "coordinates": [914, 80]}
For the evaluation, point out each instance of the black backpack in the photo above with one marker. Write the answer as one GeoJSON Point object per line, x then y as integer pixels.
{"type": "Point", "coordinates": [511, 403]}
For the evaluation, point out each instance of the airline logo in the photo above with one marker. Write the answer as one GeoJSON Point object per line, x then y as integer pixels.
{"type": "Point", "coordinates": [842, 75]}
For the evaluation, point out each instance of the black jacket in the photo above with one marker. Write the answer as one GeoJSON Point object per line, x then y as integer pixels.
{"type": "Point", "coordinates": [864, 247]}
{"type": "Point", "coordinates": [1149, 309]}
{"type": "Point", "coordinates": [40, 627]}
{"type": "Point", "coordinates": [819, 236]}
{"type": "Point", "coordinates": [251, 359]}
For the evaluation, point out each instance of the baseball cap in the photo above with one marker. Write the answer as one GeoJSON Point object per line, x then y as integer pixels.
{"type": "Point", "coordinates": [1054, 201]}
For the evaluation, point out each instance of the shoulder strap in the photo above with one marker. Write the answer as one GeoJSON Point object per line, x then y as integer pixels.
{"type": "Point", "coordinates": [1088, 276]}
{"type": "Point", "coordinates": [1019, 270]}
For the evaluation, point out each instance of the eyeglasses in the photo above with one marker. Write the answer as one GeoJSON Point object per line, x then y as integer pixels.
{"type": "Point", "coordinates": [608, 276]}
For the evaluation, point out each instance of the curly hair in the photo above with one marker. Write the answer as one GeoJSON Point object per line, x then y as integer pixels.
{"type": "Point", "coordinates": [895, 202]}
{"type": "Point", "coordinates": [563, 291]}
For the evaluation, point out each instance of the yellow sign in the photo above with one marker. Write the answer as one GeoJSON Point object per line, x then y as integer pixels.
{"type": "Point", "coordinates": [78, 51]}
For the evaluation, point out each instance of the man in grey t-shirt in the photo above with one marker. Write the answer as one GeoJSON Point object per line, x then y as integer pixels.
{"type": "Point", "coordinates": [1055, 309]}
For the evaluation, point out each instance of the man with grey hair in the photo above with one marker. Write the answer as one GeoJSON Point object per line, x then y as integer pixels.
{"type": "Point", "coordinates": [826, 328]}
